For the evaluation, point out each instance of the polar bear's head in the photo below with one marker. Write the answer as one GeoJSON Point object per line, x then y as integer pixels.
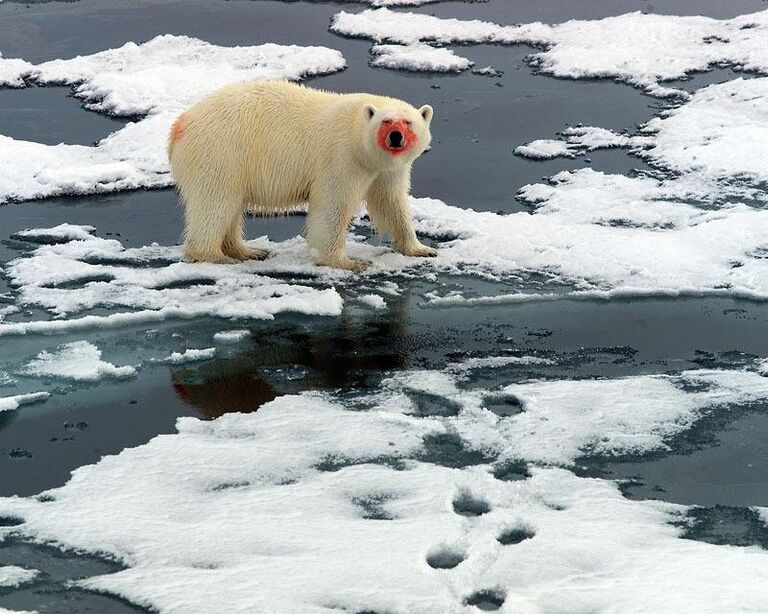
{"type": "Point", "coordinates": [395, 132]}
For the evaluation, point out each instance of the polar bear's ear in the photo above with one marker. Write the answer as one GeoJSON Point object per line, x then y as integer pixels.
{"type": "Point", "coordinates": [426, 113]}
{"type": "Point", "coordinates": [369, 111]}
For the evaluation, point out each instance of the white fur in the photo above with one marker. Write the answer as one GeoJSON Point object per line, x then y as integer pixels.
{"type": "Point", "coordinates": [271, 145]}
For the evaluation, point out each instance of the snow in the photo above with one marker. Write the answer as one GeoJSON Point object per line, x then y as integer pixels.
{"type": "Point", "coordinates": [372, 300]}
{"type": "Point", "coordinates": [330, 486]}
{"type": "Point", "coordinates": [14, 402]}
{"type": "Point", "coordinates": [79, 361]}
{"type": "Point", "coordinates": [157, 79]}
{"type": "Point", "coordinates": [191, 355]}
{"type": "Point", "coordinates": [721, 132]}
{"type": "Point", "coordinates": [544, 149]}
{"type": "Point", "coordinates": [151, 284]}
{"type": "Point", "coordinates": [12, 576]}
{"type": "Point", "coordinates": [418, 57]}
{"type": "Point", "coordinates": [61, 233]}
{"type": "Point", "coordinates": [641, 49]}
{"type": "Point", "coordinates": [231, 336]}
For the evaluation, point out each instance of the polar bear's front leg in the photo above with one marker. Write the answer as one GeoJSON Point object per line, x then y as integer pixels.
{"type": "Point", "coordinates": [387, 201]}
{"type": "Point", "coordinates": [328, 219]}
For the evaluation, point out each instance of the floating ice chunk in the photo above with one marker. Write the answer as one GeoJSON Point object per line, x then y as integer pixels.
{"type": "Point", "coordinates": [565, 419]}
{"type": "Point", "coordinates": [372, 300]}
{"type": "Point", "coordinates": [721, 132]}
{"type": "Point", "coordinates": [231, 336]}
{"type": "Point", "coordinates": [11, 403]}
{"type": "Point", "coordinates": [79, 361]}
{"type": "Point", "coordinates": [159, 78]}
{"type": "Point", "coordinates": [191, 355]}
{"type": "Point", "coordinates": [495, 362]}
{"type": "Point", "coordinates": [639, 48]}
{"type": "Point", "coordinates": [327, 487]}
{"type": "Point", "coordinates": [63, 232]}
{"type": "Point", "coordinates": [590, 138]}
{"type": "Point", "coordinates": [488, 71]}
{"type": "Point", "coordinates": [418, 57]}
{"type": "Point", "coordinates": [12, 71]}
{"type": "Point", "coordinates": [410, 28]}
{"type": "Point", "coordinates": [12, 576]}
{"type": "Point", "coordinates": [544, 149]}
{"type": "Point", "coordinates": [75, 277]}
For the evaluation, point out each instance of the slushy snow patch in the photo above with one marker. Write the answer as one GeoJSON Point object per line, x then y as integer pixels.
{"type": "Point", "coordinates": [231, 336]}
{"type": "Point", "coordinates": [57, 234]}
{"type": "Point", "coordinates": [14, 402]}
{"type": "Point", "coordinates": [159, 79]}
{"type": "Point", "coordinates": [372, 300]}
{"type": "Point", "coordinates": [418, 57]}
{"type": "Point", "coordinates": [79, 361]}
{"type": "Point", "coordinates": [12, 576]}
{"type": "Point", "coordinates": [343, 490]}
{"type": "Point", "coordinates": [151, 284]}
{"type": "Point", "coordinates": [580, 139]}
{"type": "Point", "coordinates": [641, 49]}
{"type": "Point", "coordinates": [544, 149]}
{"type": "Point", "coordinates": [191, 355]}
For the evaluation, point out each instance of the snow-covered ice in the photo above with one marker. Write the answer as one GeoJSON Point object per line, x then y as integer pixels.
{"type": "Point", "coordinates": [191, 355]}
{"type": "Point", "coordinates": [544, 149]}
{"type": "Point", "coordinates": [372, 300]}
{"type": "Point", "coordinates": [328, 485]}
{"type": "Point", "coordinates": [418, 57]}
{"type": "Point", "coordinates": [79, 361]}
{"type": "Point", "coordinates": [643, 49]}
{"type": "Point", "coordinates": [12, 576]}
{"type": "Point", "coordinates": [14, 402]}
{"type": "Point", "coordinates": [151, 284]}
{"type": "Point", "coordinates": [157, 79]}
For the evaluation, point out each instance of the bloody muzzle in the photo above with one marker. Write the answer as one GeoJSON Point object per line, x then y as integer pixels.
{"type": "Point", "coordinates": [395, 136]}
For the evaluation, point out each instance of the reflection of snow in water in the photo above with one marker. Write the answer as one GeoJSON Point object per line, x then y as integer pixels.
{"type": "Point", "coordinates": [263, 512]}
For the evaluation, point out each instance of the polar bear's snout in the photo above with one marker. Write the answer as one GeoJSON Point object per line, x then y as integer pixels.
{"type": "Point", "coordinates": [395, 136]}
{"type": "Point", "coordinates": [396, 139]}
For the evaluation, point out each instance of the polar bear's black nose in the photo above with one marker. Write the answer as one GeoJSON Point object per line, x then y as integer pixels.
{"type": "Point", "coordinates": [395, 138]}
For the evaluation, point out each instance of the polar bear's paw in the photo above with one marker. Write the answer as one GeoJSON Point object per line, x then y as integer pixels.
{"type": "Point", "coordinates": [419, 250]}
{"type": "Point", "coordinates": [350, 264]}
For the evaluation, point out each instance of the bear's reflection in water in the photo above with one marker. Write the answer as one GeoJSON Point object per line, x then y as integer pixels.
{"type": "Point", "coordinates": [290, 358]}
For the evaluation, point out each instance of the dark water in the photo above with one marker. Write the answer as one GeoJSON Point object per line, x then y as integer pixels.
{"type": "Point", "coordinates": [479, 121]}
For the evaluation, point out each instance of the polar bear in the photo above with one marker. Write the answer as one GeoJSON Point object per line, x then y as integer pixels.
{"type": "Point", "coordinates": [268, 146]}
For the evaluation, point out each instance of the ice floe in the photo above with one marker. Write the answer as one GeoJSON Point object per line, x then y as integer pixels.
{"type": "Point", "coordinates": [418, 57]}
{"type": "Point", "coordinates": [372, 300]}
{"type": "Point", "coordinates": [591, 235]}
{"type": "Point", "coordinates": [643, 49]}
{"type": "Point", "coordinates": [79, 361]}
{"type": "Point", "coordinates": [14, 402]}
{"type": "Point", "coordinates": [293, 508]}
{"type": "Point", "coordinates": [191, 355]}
{"type": "Point", "coordinates": [157, 79]}
{"type": "Point", "coordinates": [151, 284]}
{"type": "Point", "coordinates": [544, 149]}
{"type": "Point", "coordinates": [12, 576]}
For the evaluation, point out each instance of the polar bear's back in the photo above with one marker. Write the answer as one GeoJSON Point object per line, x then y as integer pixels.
{"type": "Point", "coordinates": [266, 139]}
